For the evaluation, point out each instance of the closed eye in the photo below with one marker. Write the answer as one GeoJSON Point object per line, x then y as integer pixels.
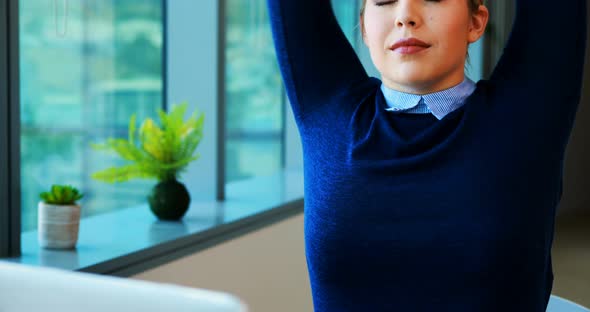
{"type": "Point", "coordinates": [382, 3]}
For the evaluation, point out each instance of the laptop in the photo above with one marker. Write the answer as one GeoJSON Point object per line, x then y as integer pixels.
{"type": "Point", "coordinates": [27, 288]}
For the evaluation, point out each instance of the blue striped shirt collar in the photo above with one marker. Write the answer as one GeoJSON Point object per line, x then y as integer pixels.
{"type": "Point", "coordinates": [438, 103]}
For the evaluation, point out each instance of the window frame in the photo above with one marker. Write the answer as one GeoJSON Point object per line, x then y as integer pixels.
{"type": "Point", "coordinates": [10, 225]}
{"type": "Point", "coordinates": [221, 100]}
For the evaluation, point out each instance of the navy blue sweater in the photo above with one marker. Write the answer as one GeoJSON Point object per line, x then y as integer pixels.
{"type": "Point", "coordinates": [404, 212]}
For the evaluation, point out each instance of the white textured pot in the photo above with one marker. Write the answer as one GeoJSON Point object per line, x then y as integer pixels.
{"type": "Point", "coordinates": [58, 225]}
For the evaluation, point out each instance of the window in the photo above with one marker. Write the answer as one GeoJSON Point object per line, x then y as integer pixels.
{"type": "Point", "coordinates": [347, 13]}
{"type": "Point", "coordinates": [255, 96]}
{"type": "Point", "coordinates": [254, 93]}
{"type": "Point", "coordinates": [85, 67]}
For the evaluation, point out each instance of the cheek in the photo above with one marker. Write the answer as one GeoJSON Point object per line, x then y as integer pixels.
{"type": "Point", "coordinates": [376, 33]}
{"type": "Point", "coordinates": [452, 38]}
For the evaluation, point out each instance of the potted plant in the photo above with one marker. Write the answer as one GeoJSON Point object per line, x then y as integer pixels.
{"type": "Point", "coordinates": [159, 151]}
{"type": "Point", "coordinates": [59, 217]}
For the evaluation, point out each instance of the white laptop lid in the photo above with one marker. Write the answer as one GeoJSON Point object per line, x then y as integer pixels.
{"type": "Point", "coordinates": [26, 288]}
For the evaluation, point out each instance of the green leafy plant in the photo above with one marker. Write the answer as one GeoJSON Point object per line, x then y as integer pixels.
{"type": "Point", "coordinates": [160, 151]}
{"type": "Point", "coordinates": [61, 195]}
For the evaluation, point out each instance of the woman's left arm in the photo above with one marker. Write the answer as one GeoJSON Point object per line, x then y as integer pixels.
{"type": "Point", "coordinates": [544, 57]}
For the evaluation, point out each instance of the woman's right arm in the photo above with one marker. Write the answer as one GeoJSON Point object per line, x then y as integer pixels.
{"type": "Point", "coordinates": [315, 58]}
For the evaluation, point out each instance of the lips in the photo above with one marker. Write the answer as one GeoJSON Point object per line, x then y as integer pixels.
{"type": "Point", "coordinates": [411, 45]}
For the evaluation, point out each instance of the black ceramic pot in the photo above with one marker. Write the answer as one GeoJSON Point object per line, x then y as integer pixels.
{"type": "Point", "coordinates": [169, 200]}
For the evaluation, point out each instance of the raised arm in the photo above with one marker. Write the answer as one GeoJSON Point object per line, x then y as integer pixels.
{"type": "Point", "coordinates": [544, 56]}
{"type": "Point", "coordinates": [315, 58]}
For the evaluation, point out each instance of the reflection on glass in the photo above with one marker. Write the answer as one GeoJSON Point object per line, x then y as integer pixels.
{"type": "Point", "coordinates": [254, 94]}
{"type": "Point", "coordinates": [254, 89]}
{"type": "Point", "coordinates": [243, 153]}
{"type": "Point", "coordinates": [82, 87]}
{"type": "Point", "coordinates": [347, 14]}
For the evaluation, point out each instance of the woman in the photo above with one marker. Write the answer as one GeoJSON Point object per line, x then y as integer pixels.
{"type": "Point", "coordinates": [423, 191]}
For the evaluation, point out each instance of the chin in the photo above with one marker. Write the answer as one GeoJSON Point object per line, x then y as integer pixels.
{"type": "Point", "coordinates": [413, 80]}
{"type": "Point", "coordinates": [413, 73]}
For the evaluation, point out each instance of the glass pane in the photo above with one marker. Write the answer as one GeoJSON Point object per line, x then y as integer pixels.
{"type": "Point", "coordinates": [251, 157]}
{"type": "Point", "coordinates": [474, 63]}
{"type": "Point", "coordinates": [85, 68]}
{"type": "Point", "coordinates": [253, 92]}
{"type": "Point", "coordinates": [347, 14]}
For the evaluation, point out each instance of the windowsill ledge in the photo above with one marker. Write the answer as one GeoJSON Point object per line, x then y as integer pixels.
{"type": "Point", "coordinates": [132, 240]}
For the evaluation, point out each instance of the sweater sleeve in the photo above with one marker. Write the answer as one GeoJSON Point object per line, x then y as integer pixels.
{"type": "Point", "coordinates": [315, 58]}
{"type": "Point", "coordinates": [544, 56]}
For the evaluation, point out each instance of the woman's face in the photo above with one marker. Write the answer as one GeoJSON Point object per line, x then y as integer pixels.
{"type": "Point", "coordinates": [445, 28]}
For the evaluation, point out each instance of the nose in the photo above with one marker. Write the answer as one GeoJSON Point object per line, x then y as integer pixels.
{"type": "Point", "coordinates": [407, 14]}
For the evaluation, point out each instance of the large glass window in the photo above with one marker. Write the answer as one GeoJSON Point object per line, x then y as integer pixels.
{"type": "Point", "coordinates": [253, 91]}
{"type": "Point", "coordinates": [86, 66]}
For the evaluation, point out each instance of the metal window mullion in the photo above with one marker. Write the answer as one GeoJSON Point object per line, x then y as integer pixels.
{"type": "Point", "coordinates": [221, 103]}
{"type": "Point", "coordinates": [164, 68]}
{"type": "Point", "coordinates": [10, 226]}
{"type": "Point", "coordinates": [4, 151]}
{"type": "Point", "coordinates": [14, 130]}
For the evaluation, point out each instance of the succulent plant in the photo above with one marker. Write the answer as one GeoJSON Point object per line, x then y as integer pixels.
{"type": "Point", "coordinates": [61, 195]}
